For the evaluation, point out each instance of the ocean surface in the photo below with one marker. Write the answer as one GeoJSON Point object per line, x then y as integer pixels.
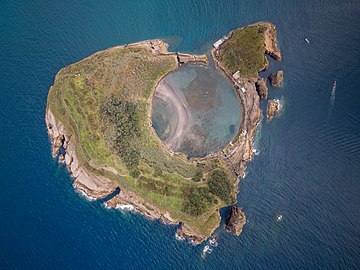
{"type": "Point", "coordinates": [307, 169]}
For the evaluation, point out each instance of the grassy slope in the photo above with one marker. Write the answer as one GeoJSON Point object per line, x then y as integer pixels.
{"type": "Point", "coordinates": [131, 73]}
{"type": "Point", "coordinates": [244, 51]}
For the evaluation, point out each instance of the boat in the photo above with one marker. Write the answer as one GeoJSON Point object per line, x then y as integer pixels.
{"type": "Point", "coordinates": [207, 249]}
{"type": "Point", "coordinates": [279, 217]}
{"type": "Point", "coordinates": [334, 83]}
{"type": "Point", "coordinates": [213, 242]}
{"type": "Point", "coordinates": [307, 41]}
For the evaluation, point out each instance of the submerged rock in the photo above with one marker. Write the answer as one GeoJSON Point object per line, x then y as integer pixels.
{"type": "Point", "coordinates": [277, 78]}
{"type": "Point", "coordinates": [261, 88]}
{"type": "Point", "coordinates": [236, 221]}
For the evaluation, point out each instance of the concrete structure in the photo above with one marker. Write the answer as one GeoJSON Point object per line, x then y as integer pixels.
{"type": "Point", "coordinates": [217, 44]}
{"type": "Point", "coordinates": [236, 75]}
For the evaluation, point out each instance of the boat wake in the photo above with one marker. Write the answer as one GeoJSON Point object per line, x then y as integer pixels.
{"type": "Point", "coordinates": [332, 97]}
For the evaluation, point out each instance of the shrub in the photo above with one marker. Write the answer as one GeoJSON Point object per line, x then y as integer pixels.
{"type": "Point", "coordinates": [197, 201]}
{"type": "Point", "coordinates": [135, 173]}
{"type": "Point", "coordinates": [124, 116]}
{"type": "Point", "coordinates": [219, 185]}
{"type": "Point", "coordinates": [157, 172]}
{"type": "Point", "coordinates": [198, 175]}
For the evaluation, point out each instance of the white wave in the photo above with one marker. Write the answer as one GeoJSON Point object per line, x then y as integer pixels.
{"type": "Point", "coordinates": [84, 195]}
{"type": "Point", "coordinates": [125, 207]}
{"type": "Point", "coordinates": [178, 237]}
{"type": "Point", "coordinates": [332, 97]}
{"type": "Point", "coordinates": [242, 176]}
{"type": "Point", "coordinates": [256, 151]}
{"type": "Point", "coordinates": [106, 205]}
{"type": "Point", "coordinates": [167, 222]}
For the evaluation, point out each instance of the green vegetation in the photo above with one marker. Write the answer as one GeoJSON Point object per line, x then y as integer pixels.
{"type": "Point", "coordinates": [198, 175]}
{"type": "Point", "coordinates": [244, 51]}
{"type": "Point", "coordinates": [103, 103]}
{"type": "Point", "coordinates": [219, 185]}
{"type": "Point", "coordinates": [197, 200]}
{"type": "Point", "coordinates": [125, 118]}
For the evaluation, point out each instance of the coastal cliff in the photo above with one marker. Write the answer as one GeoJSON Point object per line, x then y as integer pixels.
{"type": "Point", "coordinates": [229, 57]}
{"type": "Point", "coordinates": [91, 185]}
{"type": "Point", "coordinates": [236, 58]}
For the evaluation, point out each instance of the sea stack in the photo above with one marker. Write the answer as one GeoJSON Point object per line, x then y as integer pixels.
{"type": "Point", "coordinates": [236, 221]}
{"type": "Point", "coordinates": [272, 108]}
{"type": "Point", "coordinates": [277, 78]}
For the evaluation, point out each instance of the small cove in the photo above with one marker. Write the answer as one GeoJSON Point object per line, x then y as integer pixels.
{"type": "Point", "coordinates": [196, 110]}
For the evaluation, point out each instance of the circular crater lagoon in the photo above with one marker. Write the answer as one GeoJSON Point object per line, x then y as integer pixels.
{"type": "Point", "coordinates": [195, 110]}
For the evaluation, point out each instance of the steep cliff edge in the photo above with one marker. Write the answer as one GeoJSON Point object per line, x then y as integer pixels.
{"type": "Point", "coordinates": [93, 186]}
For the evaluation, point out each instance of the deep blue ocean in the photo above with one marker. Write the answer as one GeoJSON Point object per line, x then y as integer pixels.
{"type": "Point", "coordinates": [308, 168]}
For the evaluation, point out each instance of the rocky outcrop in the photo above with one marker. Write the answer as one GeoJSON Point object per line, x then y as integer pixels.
{"type": "Point", "coordinates": [186, 232]}
{"type": "Point", "coordinates": [272, 108]}
{"type": "Point", "coordinates": [276, 78]}
{"type": "Point", "coordinates": [270, 42]}
{"type": "Point", "coordinates": [93, 186]}
{"type": "Point", "coordinates": [262, 88]}
{"type": "Point", "coordinates": [236, 221]}
{"type": "Point", "coordinates": [56, 132]}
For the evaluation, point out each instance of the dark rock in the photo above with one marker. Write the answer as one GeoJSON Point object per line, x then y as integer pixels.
{"type": "Point", "coordinates": [277, 78]}
{"type": "Point", "coordinates": [236, 221]}
{"type": "Point", "coordinates": [261, 88]}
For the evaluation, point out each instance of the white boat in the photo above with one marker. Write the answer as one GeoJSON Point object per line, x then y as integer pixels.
{"type": "Point", "coordinates": [279, 217]}
{"type": "Point", "coordinates": [307, 41]}
{"type": "Point", "coordinates": [213, 242]}
{"type": "Point", "coordinates": [207, 249]}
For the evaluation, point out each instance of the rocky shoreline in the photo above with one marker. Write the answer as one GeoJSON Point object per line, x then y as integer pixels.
{"type": "Point", "coordinates": [236, 154]}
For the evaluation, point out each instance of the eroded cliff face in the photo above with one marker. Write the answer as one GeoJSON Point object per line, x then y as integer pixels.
{"type": "Point", "coordinates": [262, 88]}
{"type": "Point", "coordinates": [91, 185]}
{"type": "Point", "coordinates": [186, 232]}
{"type": "Point", "coordinates": [96, 187]}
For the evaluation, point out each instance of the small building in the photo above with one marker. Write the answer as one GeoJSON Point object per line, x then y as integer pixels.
{"type": "Point", "coordinates": [236, 75]}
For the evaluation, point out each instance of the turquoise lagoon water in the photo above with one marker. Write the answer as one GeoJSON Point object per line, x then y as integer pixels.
{"type": "Point", "coordinates": [212, 104]}
{"type": "Point", "coordinates": [308, 167]}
